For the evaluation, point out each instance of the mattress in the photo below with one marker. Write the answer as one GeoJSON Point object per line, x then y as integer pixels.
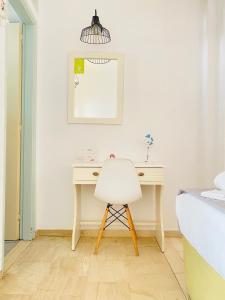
{"type": "Point", "coordinates": [202, 222]}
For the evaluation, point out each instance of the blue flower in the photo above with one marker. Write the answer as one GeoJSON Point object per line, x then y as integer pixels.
{"type": "Point", "coordinates": [149, 139]}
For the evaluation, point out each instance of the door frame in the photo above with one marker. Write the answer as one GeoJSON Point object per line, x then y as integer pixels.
{"type": "Point", "coordinates": [28, 17]}
{"type": "Point", "coordinates": [2, 145]}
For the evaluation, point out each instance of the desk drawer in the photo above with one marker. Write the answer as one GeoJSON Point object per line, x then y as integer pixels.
{"type": "Point", "coordinates": [86, 174]}
{"type": "Point", "coordinates": [144, 174]}
{"type": "Point", "coordinates": [150, 174]}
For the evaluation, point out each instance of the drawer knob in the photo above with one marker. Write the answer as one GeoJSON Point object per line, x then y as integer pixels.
{"type": "Point", "coordinates": [95, 173]}
{"type": "Point", "coordinates": [141, 174]}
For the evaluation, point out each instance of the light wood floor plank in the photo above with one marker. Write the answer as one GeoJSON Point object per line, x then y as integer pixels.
{"type": "Point", "coordinates": [47, 269]}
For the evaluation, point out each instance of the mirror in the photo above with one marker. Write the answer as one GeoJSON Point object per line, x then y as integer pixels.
{"type": "Point", "coordinates": [95, 88]}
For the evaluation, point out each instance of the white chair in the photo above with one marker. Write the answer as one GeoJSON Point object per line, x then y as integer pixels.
{"type": "Point", "coordinates": [118, 185]}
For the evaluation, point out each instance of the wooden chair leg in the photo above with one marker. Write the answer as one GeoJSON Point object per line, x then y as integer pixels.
{"type": "Point", "coordinates": [132, 223]}
{"type": "Point", "coordinates": [132, 230]}
{"type": "Point", "coordinates": [101, 229]}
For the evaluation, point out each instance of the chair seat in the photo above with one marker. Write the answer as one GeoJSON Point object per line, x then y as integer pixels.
{"type": "Point", "coordinates": [118, 182]}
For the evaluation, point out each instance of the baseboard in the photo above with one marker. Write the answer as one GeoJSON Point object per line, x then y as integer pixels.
{"type": "Point", "coordinates": [107, 233]}
{"type": "Point", "coordinates": [117, 233]}
{"type": "Point", "coordinates": [54, 232]}
{"type": "Point", "coordinates": [94, 225]}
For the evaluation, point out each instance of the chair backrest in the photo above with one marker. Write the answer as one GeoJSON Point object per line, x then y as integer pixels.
{"type": "Point", "coordinates": [118, 182]}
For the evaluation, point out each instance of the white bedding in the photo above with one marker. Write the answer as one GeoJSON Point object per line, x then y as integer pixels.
{"type": "Point", "coordinates": [219, 181]}
{"type": "Point", "coordinates": [203, 225]}
{"type": "Point", "coordinates": [214, 194]}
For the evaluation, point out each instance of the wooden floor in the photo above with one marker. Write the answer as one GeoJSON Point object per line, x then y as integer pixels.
{"type": "Point", "coordinates": [47, 269]}
{"type": "Point", "coordinates": [9, 245]}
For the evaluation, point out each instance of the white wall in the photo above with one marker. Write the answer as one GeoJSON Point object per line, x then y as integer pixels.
{"type": "Point", "coordinates": [162, 43]}
{"type": "Point", "coordinates": [35, 4]}
{"type": "Point", "coordinates": [213, 104]}
{"type": "Point", "coordinates": [31, 8]}
{"type": "Point", "coordinates": [220, 28]}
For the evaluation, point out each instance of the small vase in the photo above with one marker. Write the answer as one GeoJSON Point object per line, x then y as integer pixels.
{"type": "Point", "coordinates": [147, 154]}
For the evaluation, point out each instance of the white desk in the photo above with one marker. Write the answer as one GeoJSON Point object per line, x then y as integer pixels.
{"type": "Point", "coordinates": [87, 173]}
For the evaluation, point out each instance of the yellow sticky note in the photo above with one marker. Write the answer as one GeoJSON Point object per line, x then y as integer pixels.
{"type": "Point", "coordinates": [79, 66]}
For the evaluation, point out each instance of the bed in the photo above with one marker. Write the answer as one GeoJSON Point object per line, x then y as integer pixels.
{"type": "Point", "coordinates": [202, 223]}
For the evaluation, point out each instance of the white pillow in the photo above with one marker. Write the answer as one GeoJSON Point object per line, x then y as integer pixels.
{"type": "Point", "coordinates": [219, 181]}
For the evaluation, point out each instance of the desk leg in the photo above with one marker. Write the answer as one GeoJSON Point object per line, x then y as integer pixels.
{"type": "Point", "coordinates": [159, 216]}
{"type": "Point", "coordinates": [76, 216]}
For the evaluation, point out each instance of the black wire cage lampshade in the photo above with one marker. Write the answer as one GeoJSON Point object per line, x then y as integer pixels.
{"type": "Point", "coordinates": [96, 33]}
{"type": "Point", "coordinates": [98, 61]}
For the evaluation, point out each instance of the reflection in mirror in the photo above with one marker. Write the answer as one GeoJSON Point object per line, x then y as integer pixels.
{"type": "Point", "coordinates": [95, 89]}
{"type": "Point", "coordinates": [96, 94]}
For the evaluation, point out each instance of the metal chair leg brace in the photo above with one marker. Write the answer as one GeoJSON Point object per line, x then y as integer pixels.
{"type": "Point", "coordinates": [117, 214]}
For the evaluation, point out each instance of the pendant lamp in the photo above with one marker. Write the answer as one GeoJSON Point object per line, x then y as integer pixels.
{"type": "Point", "coordinates": [96, 33]}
